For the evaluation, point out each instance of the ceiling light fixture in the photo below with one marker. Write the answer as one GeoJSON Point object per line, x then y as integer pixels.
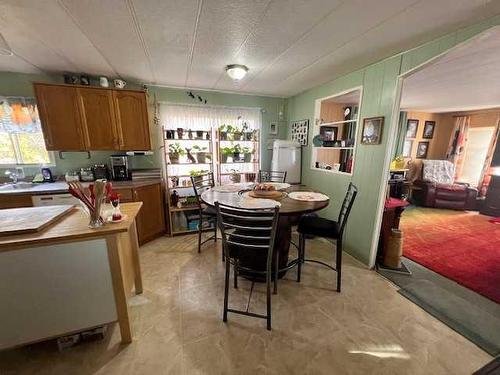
{"type": "Point", "coordinates": [4, 47]}
{"type": "Point", "coordinates": [236, 71]}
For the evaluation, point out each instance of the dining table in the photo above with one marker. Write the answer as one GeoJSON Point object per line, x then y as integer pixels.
{"type": "Point", "coordinates": [290, 212]}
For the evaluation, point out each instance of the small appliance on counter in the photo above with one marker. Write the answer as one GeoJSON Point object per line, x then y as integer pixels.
{"type": "Point", "coordinates": [86, 174]}
{"type": "Point", "coordinates": [120, 167]}
{"type": "Point", "coordinates": [100, 172]}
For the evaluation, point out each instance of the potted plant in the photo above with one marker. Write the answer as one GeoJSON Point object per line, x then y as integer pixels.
{"type": "Point", "coordinates": [197, 175]}
{"type": "Point", "coordinates": [223, 132]}
{"type": "Point", "coordinates": [247, 154]}
{"type": "Point", "coordinates": [174, 151]}
{"type": "Point", "coordinates": [236, 153]}
{"type": "Point", "coordinates": [237, 133]}
{"type": "Point", "coordinates": [190, 134]}
{"type": "Point", "coordinates": [225, 153]}
{"type": "Point", "coordinates": [199, 134]}
{"type": "Point", "coordinates": [201, 154]}
{"type": "Point", "coordinates": [180, 133]}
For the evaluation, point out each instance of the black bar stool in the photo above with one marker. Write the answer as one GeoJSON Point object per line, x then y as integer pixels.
{"type": "Point", "coordinates": [248, 234]}
{"type": "Point", "coordinates": [321, 227]}
{"type": "Point", "coordinates": [201, 184]}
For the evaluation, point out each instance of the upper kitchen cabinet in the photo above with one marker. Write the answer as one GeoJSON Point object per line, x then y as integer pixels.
{"type": "Point", "coordinates": [92, 118]}
{"type": "Point", "coordinates": [131, 109]}
{"type": "Point", "coordinates": [98, 118]}
{"type": "Point", "coordinates": [60, 117]}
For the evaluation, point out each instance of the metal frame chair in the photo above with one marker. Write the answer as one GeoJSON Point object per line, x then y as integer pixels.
{"type": "Point", "coordinates": [272, 176]}
{"type": "Point", "coordinates": [246, 234]}
{"type": "Point", "coordinates": [335, 230]}
{"type": "Point", "coordinates": [201, 184]}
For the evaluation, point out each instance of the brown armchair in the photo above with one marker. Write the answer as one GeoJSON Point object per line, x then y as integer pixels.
{"type": "Point", "coordinates": [437, 188]}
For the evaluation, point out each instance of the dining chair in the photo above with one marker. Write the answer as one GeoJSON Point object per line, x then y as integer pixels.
{"type": "Point", "coordinates": [248, 236]}
{"type": "Point", "coordinates": [321, 227]}
{"type": "Point", "coordinates": [201, 184]}
{"type": "Point", "coordinates": [272, 176]}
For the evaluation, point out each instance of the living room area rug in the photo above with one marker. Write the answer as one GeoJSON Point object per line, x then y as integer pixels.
{"type": "Point", "coordinates": [460, 245]}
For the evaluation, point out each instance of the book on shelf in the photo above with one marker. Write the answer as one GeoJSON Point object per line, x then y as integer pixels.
{"type": "Point", "coordinates": [145, 174]}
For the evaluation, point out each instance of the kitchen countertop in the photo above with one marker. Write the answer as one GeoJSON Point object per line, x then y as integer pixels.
{"type": "Point", "coordinates": [59, 187]}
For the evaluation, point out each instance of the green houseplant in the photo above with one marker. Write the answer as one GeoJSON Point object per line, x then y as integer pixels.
{"type": "Point", "coordinates": [223, 132]}
{"type": "Point", "coordinates": [225, 153]}
{"type": "Point", "coordinates": [236, 153]}
{"type": "Point", "coordinates": [247, 133]}
{"type": "Point", "coordinates": [174, 151]}
{"type": "Point", "coordinates": [197, 175]}
{"type": "Point", "coordinates": [247, 154]}
{"type": "Point", "coordinates": [201, 154]}
{"type": "Point", "coordinates": [237, 133]}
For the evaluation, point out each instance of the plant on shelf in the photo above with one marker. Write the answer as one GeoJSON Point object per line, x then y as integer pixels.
{"type": "Point", "coordinates": [190, 134]}
{"type": "Point", "coordinates": [223, 132]}
{"type": "Point", "coordinates": [201, 154]}
{"type": "Point", "coordinates": [247, 133]}
{"type": "Point", "coordinates": [225, 153]}
{"type": "Point", "coordinates": [197, 175]}
{"type": "Point", "coordinates": [174, 151]}
{"type": "Point", "coordinates": [199, 134]}
{"type": "Point", "coordinates": [180, 133]}
{"type": "Point", "coordinates": [237, 133]}
{"type": "Point", "coordinates": [247, 154]}
{"type": "Point", "coordinates": [236, 153]}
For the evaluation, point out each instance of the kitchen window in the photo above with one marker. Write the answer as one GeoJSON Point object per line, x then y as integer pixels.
{"type": "Point", "coordinates": [21, 137]}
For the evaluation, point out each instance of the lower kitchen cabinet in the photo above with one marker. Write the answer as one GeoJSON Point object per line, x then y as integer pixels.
{"type": "Point", "coordinates": [151, 218]}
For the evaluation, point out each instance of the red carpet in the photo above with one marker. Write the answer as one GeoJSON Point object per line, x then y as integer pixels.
{"type": "Point", "coordinates": [462, 246]}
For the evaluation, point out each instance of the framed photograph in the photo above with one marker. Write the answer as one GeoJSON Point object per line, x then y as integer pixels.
{"type": "Point", "coordinates": [429, 129]}
{"type": "Point", "coordinates": [422, 149]}
{"type": "Point", "coordinates": [328, 133]}
{"type": "Point", "coordinates": [372, 130]}
{"type": "Point", "coordinates": [300, 131]}
{"type": "Point", "coordinates": [411, 128]}
{"type": "Point", "coordinates": [407, 147]}
{"type": "Point", "coordinates": [273, 128]}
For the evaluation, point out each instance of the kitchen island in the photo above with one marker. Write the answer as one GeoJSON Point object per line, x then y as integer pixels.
{"type": "Point", "coordinates": [67, 278]}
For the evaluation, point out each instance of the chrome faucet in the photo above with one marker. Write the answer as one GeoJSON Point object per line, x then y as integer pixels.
{"type": "Point", "coordinates": [12, 175]}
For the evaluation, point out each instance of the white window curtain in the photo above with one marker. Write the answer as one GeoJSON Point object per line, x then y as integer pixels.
{"type": "Point", "coordinates": [175, 116]}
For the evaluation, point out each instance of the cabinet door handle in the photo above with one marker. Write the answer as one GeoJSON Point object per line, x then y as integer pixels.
{"type": "Point", "coordinates": [135, 195]}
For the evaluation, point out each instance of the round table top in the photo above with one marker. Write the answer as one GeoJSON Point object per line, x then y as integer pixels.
{"type": "Point", "coordinates": [289, 206]}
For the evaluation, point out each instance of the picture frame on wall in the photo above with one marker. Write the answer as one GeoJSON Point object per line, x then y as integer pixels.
{"type": "Point", "coordinates": [273, 128]}
{"type": "Point", "coordinates": [407, 147]}
{"type": "Point", "coordinates": [372, 130]}
{"type": "Point", "coordinates": [422, 149]}
{"type": "Point", "coordinates": [411, 128]}
{"type": "Point", "coordinates": [429, 129]}
{"type": "Point", "coordinates": [300, 131]}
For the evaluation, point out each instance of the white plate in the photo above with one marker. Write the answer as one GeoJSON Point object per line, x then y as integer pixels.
{"type": "Point", "coordinates": [231, 188]}
{"type": "Point", "coordinates": [258, 203]}
{"type": "Point", "coordinates": [308, 196]}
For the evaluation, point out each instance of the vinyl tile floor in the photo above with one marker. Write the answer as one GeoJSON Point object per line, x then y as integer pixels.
{"type": "Point", "coordinates": [368, 328]}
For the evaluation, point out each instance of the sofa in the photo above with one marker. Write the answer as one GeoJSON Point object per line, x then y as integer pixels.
{"type": "Point", "coordinates": [437, 188]}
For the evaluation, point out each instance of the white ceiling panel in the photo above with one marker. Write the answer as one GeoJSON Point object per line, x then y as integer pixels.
{"type": "Point", "coordinates": [113, 36]}
{"type": "Point", "coordinates": [224, 26]}
{"type": "Point", "coordinates": [466, 78]}
{"type": "Point", "coordinates": [287, 21]}
{"type": "Point", "coordinates": [288, 45]}
{"type": "Point", "coordinates": [167, 27]}
{"type": "Point", "coordinates": [46, 21]}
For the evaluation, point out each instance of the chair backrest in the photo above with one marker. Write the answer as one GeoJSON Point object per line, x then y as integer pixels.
{"type": "Point", "coordinates": [272, 176]}
{"type": "Point", "coordinates": [201, 184]}
{"type": "Point", "coordinates": [250, 231]}
{"type": "Point", "coordinates": [345, 210]}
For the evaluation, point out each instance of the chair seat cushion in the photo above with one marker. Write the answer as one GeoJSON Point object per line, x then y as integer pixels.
{"type": "Point", "coordinates": [318, 226]}
{"type": "Point", "coordinates": [209, 211]}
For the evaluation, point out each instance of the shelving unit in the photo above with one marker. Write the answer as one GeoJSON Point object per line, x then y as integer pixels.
{"type": "Point", "coordinates": [177, 171]}
{"type": "Point", "coordinates": [336, 122]}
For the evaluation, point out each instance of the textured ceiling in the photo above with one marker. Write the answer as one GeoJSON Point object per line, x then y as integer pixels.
{"type": "Point", "coordinates": [466, 78]}
{"type": "Point", "coordinates": [289, 46]}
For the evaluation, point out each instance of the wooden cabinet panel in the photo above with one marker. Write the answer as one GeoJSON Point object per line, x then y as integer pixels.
{"type": "Point", "coordinates": [151, 218]}
{"type": "Point", "coordinates": [15, 201]}
{"type": "Point", "coordinates": [126, 195]}
{"type": "Point", "coordinates": [60, 117]}
{"type": "Point", "coordinates": [98, 118]}
{"type": "Point", "coordinates": [132, 119]}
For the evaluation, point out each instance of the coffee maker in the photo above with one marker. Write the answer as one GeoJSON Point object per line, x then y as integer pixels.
{"type": "Point", "coordinates": [120, 167]}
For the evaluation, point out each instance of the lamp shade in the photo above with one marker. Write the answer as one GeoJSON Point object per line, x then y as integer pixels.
{"type": "Point", "coordinates": [236, 71]}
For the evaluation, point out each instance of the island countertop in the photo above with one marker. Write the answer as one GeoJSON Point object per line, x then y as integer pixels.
{"type": "Point", "coordinates": [73, 226]}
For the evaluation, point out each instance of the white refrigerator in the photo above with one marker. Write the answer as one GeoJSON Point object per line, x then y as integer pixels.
{"type": "Point", "coordinates": [287, 157]}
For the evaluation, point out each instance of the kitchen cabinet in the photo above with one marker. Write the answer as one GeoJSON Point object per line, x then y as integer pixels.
{"type": "Point", "coordinates": [151, 218]}
{"type": "Point", "coordinates": [132, 115]}
{"type": "Point", "coordinates": [15, 201]}
{"type": "Point", "coordinates": [60, 117]}
{"type": "Point", "coordinates": [85, 118]}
